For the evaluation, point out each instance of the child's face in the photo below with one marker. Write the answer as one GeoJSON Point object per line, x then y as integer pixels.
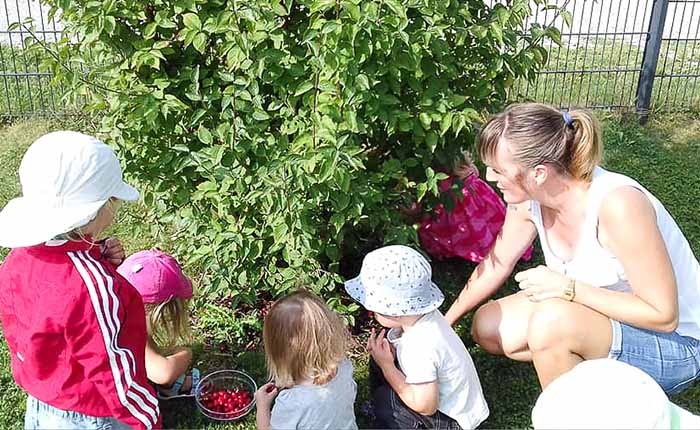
{"type": "Point", "coordinates": [387, 321]}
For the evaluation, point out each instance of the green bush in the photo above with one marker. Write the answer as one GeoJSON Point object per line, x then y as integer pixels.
{"type": "Point", "coordinates": [279, 137]}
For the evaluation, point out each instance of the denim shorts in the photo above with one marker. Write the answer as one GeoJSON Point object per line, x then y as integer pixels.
{"type": "Point", "coordinates": [39, 415]}
{"type": "Point", "coordinates": [671, 359]}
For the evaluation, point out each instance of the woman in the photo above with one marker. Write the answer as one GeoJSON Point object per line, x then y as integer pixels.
{"type": "Point", "coordinates": [620, 280]}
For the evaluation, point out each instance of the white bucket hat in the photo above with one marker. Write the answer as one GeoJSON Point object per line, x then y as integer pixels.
{"type": "Point", "coordinates": [395, 281]}
{"type": "Point", "coordinates": [66, 178]}
{"type": "Point", "coordinates": [608, 394]}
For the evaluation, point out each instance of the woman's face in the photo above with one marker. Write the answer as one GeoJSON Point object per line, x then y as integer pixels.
{"type": "Point", "coordinates": [507, 175]}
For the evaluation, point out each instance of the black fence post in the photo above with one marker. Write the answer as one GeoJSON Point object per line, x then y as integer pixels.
{"type": "Point", "coordinates": [652, 48]}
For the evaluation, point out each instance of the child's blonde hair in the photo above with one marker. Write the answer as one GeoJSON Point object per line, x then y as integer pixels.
{"type": "Point", "coordinates": [168, 323]}
{"type": "Point", "coordinates": [304, 340]}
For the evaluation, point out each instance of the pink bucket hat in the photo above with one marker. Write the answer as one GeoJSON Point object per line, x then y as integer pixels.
{"type": "Point", "coordinates": [156, 275]}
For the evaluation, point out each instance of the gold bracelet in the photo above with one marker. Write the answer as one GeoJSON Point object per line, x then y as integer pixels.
{"type": "Point", "coordinates": [570, 290]}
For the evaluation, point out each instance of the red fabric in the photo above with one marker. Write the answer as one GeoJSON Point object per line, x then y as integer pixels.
{"type": "Point", "coordinates": [77, 333]}
{"type": "Point", "coordinates": [470, 229]}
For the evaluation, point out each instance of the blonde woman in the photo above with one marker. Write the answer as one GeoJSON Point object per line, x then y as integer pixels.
{"type": "Point", "coordinates": [305, 348]}
{"type": "Point", "coordinates": [165, 291]}
{"type": "Point", "coordinates": [75, 329]}
{"type": "Point", "coordinates": [620, 280]}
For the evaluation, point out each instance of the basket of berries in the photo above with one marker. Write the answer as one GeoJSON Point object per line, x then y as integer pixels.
{"type": "Point", "coordinates": [226, 395]}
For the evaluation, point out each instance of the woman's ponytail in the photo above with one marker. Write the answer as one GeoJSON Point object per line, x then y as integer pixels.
{"type": "Point", "coordinates": [587, 148]}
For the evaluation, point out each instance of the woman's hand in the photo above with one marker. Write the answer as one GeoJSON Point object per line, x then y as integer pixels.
{"type": "Point", "coordinates": [380, 349]}
{"type": "Point", "coordinates": [542, 283]}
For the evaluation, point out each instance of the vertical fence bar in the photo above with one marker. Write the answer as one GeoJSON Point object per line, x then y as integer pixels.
{"type": "Point", "coordinates": [652, 48]}
{"type": "Point", "coordinates": [566, 60]}
{"type": "Point", "coordinates": [619, 66]}
{"type": "Point", "coordinates": [667, 55]}
{"type": "Point", "coordinates": [692, 56]}
{"type": "Point", "coordinates": [49, 88]}
{"type": "Point", "coordinates": [3, 70]}
{"type": "Point", "coordinates": [38, 76]}
{"type": "Point", "coordinates": [681, 68]}
{"type": "Point", "coordinates": [13, 62]}
{"type": "Point", "coordinates": [559, 55]}
{"type": "Point", "coordinates": [636, 49]}
{"type": "Point", "coordinates": [23, 53]}
{"type": "Point", "coordinates": [598, 73]}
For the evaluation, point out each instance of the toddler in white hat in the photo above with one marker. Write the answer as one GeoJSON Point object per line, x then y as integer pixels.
{"type": "Point", "coordinates": [608, 394]}
{"type": "Point", "coordinates": [435, 384]}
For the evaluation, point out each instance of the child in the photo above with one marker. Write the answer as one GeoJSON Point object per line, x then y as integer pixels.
{"type": "Point", "coordinates": [305, 348]}
{"type": "Point", "coordinates": [75, 329]}
{"type": "Point", "coordinates": [470, 228]}
{"type": "Point", "coordinates": [435, 385]}
{"type": "Point", "coordinates": [165, 290]}
{"type": "Point", "coordinates": [608, 394]}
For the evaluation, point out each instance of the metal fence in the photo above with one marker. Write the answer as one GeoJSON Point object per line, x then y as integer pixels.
{"type": "Point", "coordinates": [25, 90]}
{"type": "Point", "coordinates": [616, 54]}
{"type": "Point", "coordinates": [622, 54]}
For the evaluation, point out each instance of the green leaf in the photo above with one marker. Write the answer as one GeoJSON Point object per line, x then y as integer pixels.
{"type": "Point", "coordinates": [192, 21]}
{"type": "Point", "coordinates": [204, 135]}
{"type": "Point", "coordinates": [566, 16]}
{"type": "Point", "coordinates": [421, 189]}
{"type": "Point", "coordinates": [446, 123]}
{"type": "Point", "coordinates": [425, 120]}
{"type": "Point", "coordinates": [261, 115]}
{"type": "Point", "coordinates": [200, 42]}
{"type": "Point", "coordinates": [303, 88]}
{"type": "Point", "coordinates": [362, 82]}
{"type": "Point", "coordinates": [396, 7]}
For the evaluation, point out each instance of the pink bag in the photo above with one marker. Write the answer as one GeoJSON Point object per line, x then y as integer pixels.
{"type": "Point", "coordinates": [470, 229]}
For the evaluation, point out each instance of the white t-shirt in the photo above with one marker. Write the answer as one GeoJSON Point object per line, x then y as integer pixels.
{"type": "Point", "coordinates": [313, 407]}
{"type": "Point", "coordinates": [430, 351]}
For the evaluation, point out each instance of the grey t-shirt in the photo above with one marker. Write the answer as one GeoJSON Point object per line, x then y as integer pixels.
{"type": "Point", "coordinates": [328, 406]}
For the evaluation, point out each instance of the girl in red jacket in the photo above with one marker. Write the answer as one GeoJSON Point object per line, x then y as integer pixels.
{"type": "Point", "coordinates": [75, 328]}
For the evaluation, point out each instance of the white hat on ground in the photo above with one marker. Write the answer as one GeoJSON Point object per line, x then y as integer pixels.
{"type": "Point", "coordinates": [608, 394]}
{"type": "Point", "coordinates": [395, 281]}
{"type": "Point", "coordinates": [66, 178]}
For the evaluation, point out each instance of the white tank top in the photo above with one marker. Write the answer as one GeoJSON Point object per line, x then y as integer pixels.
{"type": "Point", "coordinates": [594, 265]}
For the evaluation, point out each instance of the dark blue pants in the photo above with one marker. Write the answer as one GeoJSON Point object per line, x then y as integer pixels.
{"type": "Point", "coordinates": [392, 413]}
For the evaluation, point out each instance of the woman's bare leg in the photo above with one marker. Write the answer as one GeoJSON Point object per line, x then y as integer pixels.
{"type": "Point", "coordinates": [554, 334]}
{"type": "Point", "coordinates": [500, 326]}
{"type": "Point", "coordinates": [561, 334]}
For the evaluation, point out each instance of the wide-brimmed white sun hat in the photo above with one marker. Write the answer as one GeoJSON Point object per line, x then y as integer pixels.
{"type": "Point", "coordinates": [66, 178]}
{"type": "Point", "coordinates": [608, 394]}
{"type": "Point", "coordinates": [395, 281]}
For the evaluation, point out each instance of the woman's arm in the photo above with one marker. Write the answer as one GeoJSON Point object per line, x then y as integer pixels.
{"type": "Point", "coordinates": [517, 234]}
{"type": "Point", "coordinates": [165, 370]}
{"type": "Point", "coordinates": [628, 228]}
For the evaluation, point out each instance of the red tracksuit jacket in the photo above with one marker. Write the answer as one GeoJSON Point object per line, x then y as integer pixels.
{"type": "Point", "coordinates": [77, 333]}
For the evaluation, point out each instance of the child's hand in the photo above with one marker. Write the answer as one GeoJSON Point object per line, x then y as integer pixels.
{"type": "Point", "coordinates": [380, 349]}
{"type": "Point", "coordinates": [112, 249]}
{"type": "Point", "coordinates": [265, 395]}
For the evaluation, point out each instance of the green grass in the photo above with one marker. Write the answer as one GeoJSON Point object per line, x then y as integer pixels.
{"type": "Point", "coordinates": [664, 156]}
{"type": "Point", "coordinates": [605, 75]}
